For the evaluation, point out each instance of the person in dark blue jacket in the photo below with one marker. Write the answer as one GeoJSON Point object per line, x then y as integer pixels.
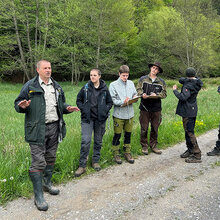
{"type": "Point", "coordinates": [187, 109]}
{"type": "Point", "coordinates": [216, 150]}
{"type": "Point", "coordinates": [94, 102]}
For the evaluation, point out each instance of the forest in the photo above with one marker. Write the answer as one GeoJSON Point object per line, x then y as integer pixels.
{"type": "Point", "coordinates": [77, 35]}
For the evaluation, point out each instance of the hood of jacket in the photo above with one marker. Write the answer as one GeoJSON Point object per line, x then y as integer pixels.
{"type": "Point", "coordinates": [102, 84]}
{"type": "Point", "coordinates": [194, 84]}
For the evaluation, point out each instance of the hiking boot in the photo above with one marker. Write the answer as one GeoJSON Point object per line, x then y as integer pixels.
{"type": "Point", "coordinates": [96, 166]}
{"type": "Point", "coordinates": [193, 159]}
{"type": "Point", "coordinates": [80, 171]}
{"type": "Point", "coordinates": [185, 154]}
{"type": "Point", "coordinates": [145, 150]}
{"type": "Point", "coordinates": [214, 152]}
{"type": "Point", "coordinates": [117, 159]}
{"type": "Point", "coordinates": [156, 150]}
{"type": "Point", "coordinates": [129, 158]}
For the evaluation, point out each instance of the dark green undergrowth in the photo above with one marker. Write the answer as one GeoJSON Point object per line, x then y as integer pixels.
{"type": "Point", "coordinates": [15, 154]}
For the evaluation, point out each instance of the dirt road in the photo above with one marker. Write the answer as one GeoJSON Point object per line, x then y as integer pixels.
{"type": "Point", "coordinates": [154, 187]}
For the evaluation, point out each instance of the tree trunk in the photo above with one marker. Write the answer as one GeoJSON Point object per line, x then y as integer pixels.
{"type": "Point", "coordinates": [28, 40]}
{"type": "Point", "coordinates": [99, 40]}
{"type": "Point", "coordinates": [45, 35]}
{"type": "Point", "coordinates": [23, 63]}
{"type": "Point", "coordinates": [36, 32]}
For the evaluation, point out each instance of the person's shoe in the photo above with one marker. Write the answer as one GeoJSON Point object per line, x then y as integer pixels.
{"type": "Point", "coordinates": [96, 166]}
{"type": "Point", "coordinates": [39, 201]}
{"type": "Point", "coordinates": [129, 158]}
{"type": "Point", "coordinates": [156, 150]}
{"type": "Point", "coordinates": [47, 184]}
{"type": "Point", "coordinates": [214, 152]}
{"type": "Point", "coordinates": [185, 154]}
{"type": "Point", "coordinates": [117, 159]}
{"type": "Point", "coordinates": [145, 150]}
{"type": "Point", "coordinates": [80, 171]}
{"type": "Point", "coordinates": [193, 159]}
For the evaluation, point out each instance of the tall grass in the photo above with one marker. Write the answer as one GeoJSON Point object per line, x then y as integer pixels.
{"type": "Point", "coordinates": [15, 154]}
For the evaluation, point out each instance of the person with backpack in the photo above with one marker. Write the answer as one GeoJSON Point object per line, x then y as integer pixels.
{"type": "Point", "coordinates": [94, 102]}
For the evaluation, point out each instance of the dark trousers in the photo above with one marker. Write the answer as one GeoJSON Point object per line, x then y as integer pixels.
{"type": "Point", "coordinates": [191, 142]}
{"type": "Point", "coordinates": [155, 119]}
{"type": "Point", "coordinates": [43, 155]}
{"type": "Point", "coordinates": [87, 130]}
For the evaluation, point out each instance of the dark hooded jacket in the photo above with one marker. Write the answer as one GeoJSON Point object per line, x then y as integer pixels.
{"type": "Point", "coordinates": [85, 99]}
{"type": "Point", "coordinates": [187, 105]}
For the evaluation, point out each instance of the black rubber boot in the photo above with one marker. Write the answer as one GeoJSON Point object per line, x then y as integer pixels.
{"type": "Point", "coordinates": [47, 185]}
{"type": "Point", "coordinates": [36, 178]}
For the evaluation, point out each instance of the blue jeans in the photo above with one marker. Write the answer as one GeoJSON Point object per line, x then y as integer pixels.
{"type": "Point", "coordinates": [87, 130]}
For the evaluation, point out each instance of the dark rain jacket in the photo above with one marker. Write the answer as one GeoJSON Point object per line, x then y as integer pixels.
{"type": "Point", "coordinates": [187, 105]}
{"type": "Point", "coordinates": [84, 101]}
{"type": "Point", "coordinates": [35, 113]}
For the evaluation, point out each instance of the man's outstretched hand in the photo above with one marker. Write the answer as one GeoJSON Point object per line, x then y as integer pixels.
{"type": "Point", "coordinates": [72, 109]}
{"type": "Point", "coordinates": [24, 103]}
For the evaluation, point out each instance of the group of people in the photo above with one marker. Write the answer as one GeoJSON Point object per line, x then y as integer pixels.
{"type": "Point", "coordinates": [43, 102]}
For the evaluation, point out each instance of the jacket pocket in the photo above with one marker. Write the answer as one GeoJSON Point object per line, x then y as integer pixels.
{"type": "Point", "coordinates": [31, 131]}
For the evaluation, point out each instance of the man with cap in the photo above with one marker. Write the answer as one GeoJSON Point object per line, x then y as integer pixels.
{"type": "Point", "coordinates": [152, 89]}
{"type": "Point", "coordinates": [187, 109]}
{"type": "Point", "coordinates": [216, 150]}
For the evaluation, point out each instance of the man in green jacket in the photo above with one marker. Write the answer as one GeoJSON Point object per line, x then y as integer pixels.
{"type": "Point", "coordinates": [43, 102]}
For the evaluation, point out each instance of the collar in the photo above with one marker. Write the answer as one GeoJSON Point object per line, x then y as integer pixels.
{"type": "Point", "coordinates": [120, 80]}
{"type": "Point", "coordinates": [152, 79]}
{"type": "Point", "coordinates": [42, 82]}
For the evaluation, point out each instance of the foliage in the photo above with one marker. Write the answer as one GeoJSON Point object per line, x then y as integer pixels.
{"type": "Point", "coordinates": [77, 35]}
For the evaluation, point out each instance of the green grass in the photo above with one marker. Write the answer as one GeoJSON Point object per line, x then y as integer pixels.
{"type": "Point", "coordinates": [15, 154]}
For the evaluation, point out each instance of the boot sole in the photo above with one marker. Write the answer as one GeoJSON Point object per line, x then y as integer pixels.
{"type": "Point", "coordinates": [213, 154]}
{"type": "Point", "coordinates": [194, 161]}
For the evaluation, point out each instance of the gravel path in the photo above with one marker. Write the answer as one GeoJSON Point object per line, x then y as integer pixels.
{"type": "Point", "coordinates": [154, 187]}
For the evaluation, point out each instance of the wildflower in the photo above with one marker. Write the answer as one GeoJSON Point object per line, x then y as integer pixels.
{"type": "Point", "coordinates": [11, 178]}
{"type": "Point", "coordinates": [4, 180]}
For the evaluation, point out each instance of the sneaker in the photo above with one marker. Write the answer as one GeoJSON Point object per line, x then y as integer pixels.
{"type": "Point", "coordinates": [129, 158]}
{"type": "Point", "coordinates": [145, 150]}
{"type": "Point", "coordinates": [193, 159]}
{"type": "Point", "coordinates": [117, 159]}
{"type": "Point", "coordinates": [185, 154]}
{"type": "Point", "coordinates": [96, 166]}
{"type": "Point", "coordinates": [80, 171]}
{"type": "Point", "coordinates": [156, 150]}
{"type": "Point", "coordinates": [214, 152]}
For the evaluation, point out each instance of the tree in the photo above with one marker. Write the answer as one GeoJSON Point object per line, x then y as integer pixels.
{"type": "Point", "coordinates": [180, 37]}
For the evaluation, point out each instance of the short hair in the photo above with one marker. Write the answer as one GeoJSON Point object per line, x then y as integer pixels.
{"type": "Point", "coordinates": [124, 69]}
{"type": "Point", "coordinates": [97, 70]}
{"type": "Point", "coordinates": [40, 61]}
